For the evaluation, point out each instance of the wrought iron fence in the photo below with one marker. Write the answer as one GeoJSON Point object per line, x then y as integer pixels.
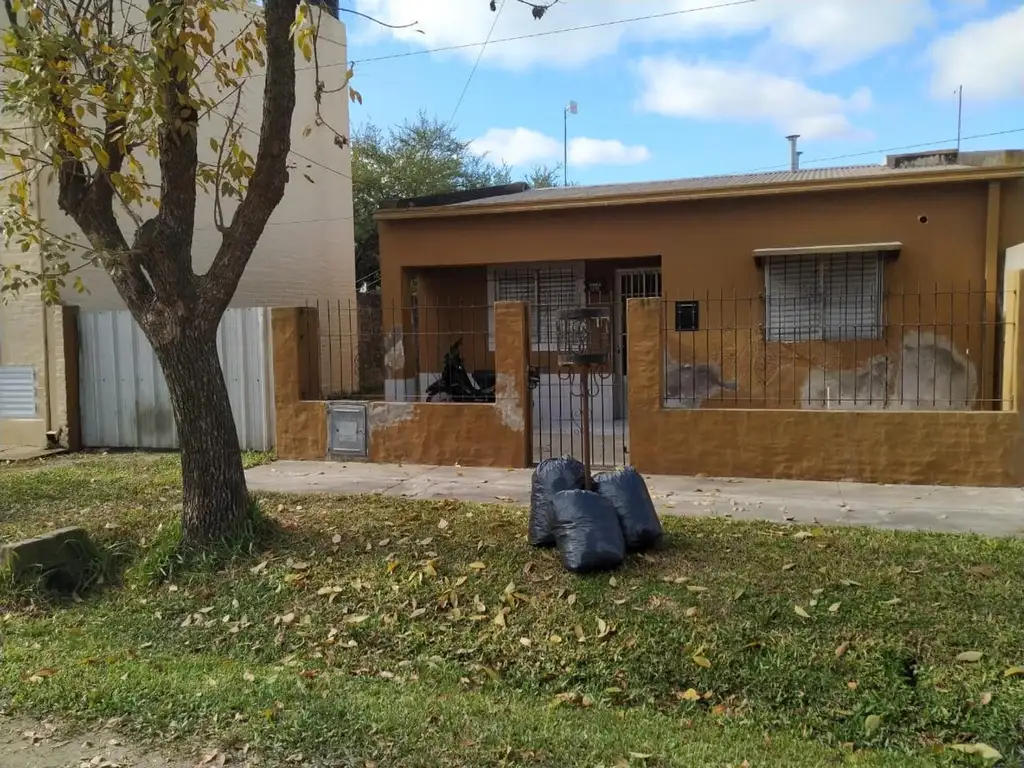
{"type": "Point", "coordinates": [372, 351]}
{"type": "Point", "coordinates": [927, 349]}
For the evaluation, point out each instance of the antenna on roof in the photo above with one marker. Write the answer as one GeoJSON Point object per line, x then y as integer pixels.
{"type": "Point", "coordinates": [959, 116]}
{"type": "Point", "coordinates": [794, 155]}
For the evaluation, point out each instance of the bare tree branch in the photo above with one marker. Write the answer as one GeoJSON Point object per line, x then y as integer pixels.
{"type": "Point", "coordinates": [266, 187]}
{"type": "Point", "coordinates": [229, 126]}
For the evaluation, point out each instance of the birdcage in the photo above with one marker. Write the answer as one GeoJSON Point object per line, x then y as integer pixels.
{"type": "Point", "coordinates": [584, 336]}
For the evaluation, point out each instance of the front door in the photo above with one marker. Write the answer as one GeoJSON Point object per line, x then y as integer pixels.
{"type": "Point", "coordinates": [629, 284]}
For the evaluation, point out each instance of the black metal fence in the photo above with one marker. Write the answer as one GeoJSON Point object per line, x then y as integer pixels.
{"type": "Point", "coordinates": [927, 349]}
{"type": "Point", "coordinates": [373, 351]}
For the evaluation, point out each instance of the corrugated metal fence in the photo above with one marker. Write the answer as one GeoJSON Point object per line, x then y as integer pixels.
{"type": "Point", "coordinates": [123, 395]}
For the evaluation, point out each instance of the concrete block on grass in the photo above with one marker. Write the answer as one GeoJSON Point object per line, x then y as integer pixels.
{"type": "Point", "coordinates": [62, 558]}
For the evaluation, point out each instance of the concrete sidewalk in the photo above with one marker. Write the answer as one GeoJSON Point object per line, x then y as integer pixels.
{"type": "Point", "coordinates": [990, 511]}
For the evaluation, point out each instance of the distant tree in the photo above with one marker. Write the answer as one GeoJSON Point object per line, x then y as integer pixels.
{"type": "Point", "coordinates": [420, 157]}
{"type": "Point", "coordinates": [545, 176]}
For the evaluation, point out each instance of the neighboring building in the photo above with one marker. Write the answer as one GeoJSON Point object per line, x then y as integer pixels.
{"type": "Point", "coordinates": [305, 256]}
{"type": "Point", "coordinates": [866, 287]}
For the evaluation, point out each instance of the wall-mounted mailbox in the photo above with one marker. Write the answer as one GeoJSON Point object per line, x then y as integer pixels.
{"type": "Point", "coordinates": [687, 316]}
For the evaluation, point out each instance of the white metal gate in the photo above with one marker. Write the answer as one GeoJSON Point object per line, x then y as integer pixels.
{"type": "Point", "coordinates": [123, 396]}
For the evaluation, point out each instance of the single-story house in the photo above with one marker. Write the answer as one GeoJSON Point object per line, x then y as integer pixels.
{"type": "Point", "coordinates": [861, 287]}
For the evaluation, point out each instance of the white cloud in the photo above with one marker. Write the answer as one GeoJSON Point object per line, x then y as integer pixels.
{"type": "Point", "coordinates": [833, 33]}
{"type": "Point", "coordinates": [705, 91]}
{"type": "Point", "coordinates": [523, 146]}
{"type": "Point", "coordinates": [986, 57]}
{"type": "Point", "coordinates": [517, 146]}
{"type": "Point", "coordinates": [584, 151]}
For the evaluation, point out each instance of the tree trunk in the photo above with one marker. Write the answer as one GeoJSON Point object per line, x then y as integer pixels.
{"type": "Point", "coordinates": [216, 502]}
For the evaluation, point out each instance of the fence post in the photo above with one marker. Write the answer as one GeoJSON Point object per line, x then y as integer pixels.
{"type": "Point", "coordinates": [512, 394]}
{"type": "Point", "coordinates": [301, 419]}
{"type": "Point", "coordinates": [646, 378]}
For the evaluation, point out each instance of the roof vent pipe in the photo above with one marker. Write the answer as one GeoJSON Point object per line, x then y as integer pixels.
{"type": "Point", "coordinates": [794, 155]}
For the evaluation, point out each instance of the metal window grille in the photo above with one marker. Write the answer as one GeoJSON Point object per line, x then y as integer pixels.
{"type": "Point", "coordinates": [548, 289]}
{"type": "Point", "coordinates": [835, 298]}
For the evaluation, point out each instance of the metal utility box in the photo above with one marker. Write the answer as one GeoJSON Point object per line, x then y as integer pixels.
{"type": "Point", "coordinates": [346, 430]}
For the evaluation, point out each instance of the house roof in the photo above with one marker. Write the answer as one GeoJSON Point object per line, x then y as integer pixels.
{"type": "Point", "coordinates": [703, 187]}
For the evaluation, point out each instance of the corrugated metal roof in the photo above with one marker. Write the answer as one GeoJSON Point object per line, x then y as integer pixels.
{"type": "Point", "coordinates": [705, 183]}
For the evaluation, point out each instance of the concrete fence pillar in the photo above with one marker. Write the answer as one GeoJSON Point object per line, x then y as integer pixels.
{"type": "Point", "coordinates": [646, 379]}
{"type": "Point", "coordinates": [301, 419]}
{"type": "Point", "coordinates": [512, 395]}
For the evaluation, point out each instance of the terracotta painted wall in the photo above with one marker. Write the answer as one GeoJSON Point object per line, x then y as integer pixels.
{"type": "Point", "coordinates": [963, 447]}
{"type": "Point", "coordinates": [937, 285]}
{"type": "Point", "coordinates": [491, 435]}
{"type": "Point", "coordinates": [301, 420]}
{"type": "Point", "coordinates": [469, 434]}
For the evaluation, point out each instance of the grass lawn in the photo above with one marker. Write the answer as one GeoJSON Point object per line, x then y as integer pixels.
{"type": "Point", "coordinates": [380, 631]}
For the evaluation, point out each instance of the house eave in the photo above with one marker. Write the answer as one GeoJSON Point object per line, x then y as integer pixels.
{"type": "Point", "coordinates": [908, 179]}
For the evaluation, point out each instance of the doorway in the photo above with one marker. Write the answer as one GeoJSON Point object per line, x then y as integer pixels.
{"type": "Point", "coordinates": [642, 283]}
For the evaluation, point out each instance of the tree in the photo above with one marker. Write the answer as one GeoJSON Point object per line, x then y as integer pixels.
{"type": "Point", "coordinates": [420, 157]}
{"type": "Point", "coordinates": [99, 98]}
{"type": "Point", "coordinates": [544, 176]}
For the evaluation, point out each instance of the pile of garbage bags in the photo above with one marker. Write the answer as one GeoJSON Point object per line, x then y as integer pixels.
{"type": "Point", "coordinates": [595, 529]}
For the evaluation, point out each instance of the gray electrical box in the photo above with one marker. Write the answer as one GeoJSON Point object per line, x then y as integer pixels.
{"type": "Point", "coordinates": [346, 430]}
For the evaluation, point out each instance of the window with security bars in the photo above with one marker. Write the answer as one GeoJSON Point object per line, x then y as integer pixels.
{"type": "Point", "coordinates": [548, 289]}
{"type": "Point", "coordinates": [832, 298]}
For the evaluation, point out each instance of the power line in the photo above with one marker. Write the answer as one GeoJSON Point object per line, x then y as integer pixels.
{"type": "Point", "coordinates": [515, 38]}
{"type": "Point", "coordinates": [476, 63]}
{"type": "Point", "coordinates": [254, 132]}
{"type": "Point", "coordinates": [548, 33]}
{"type": "Point", "coordinates": [886, 150]}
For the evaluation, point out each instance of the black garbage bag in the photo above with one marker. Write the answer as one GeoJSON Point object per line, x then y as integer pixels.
{"type": "Point", "coordinates": [627, 491]}
{"type": "Point", "coordinates": [550, 477]}
{"type": "Point", "coordinates": [587, 531]}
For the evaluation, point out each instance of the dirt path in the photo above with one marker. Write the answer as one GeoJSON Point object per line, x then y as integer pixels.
{"type": "Point", "coordinates": [26, 744]}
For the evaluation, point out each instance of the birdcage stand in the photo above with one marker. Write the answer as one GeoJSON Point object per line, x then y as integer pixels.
{"type": "Point", "coordinates": [584, 341]}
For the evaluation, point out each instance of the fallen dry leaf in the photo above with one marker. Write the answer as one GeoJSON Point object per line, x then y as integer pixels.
{"type": "Point", "coordinates": [356, 619]}
{"type": "Point", "coordinates": [1014, 672]}
{"type": "Point", "coordinates": [701, 661]}
{"type": "Point", "coordinates": [970, 656]}
{"type": "Point", "coordinates": [834, 608]}
{"type": "Point", "coordinates": [986, 698]}
{"type": "Point", "coordinates": [871, 724]}
{"type": "Point", "coordinates": [789, 566]}
{"type": "Point", "coordinates": [478, 566]}
{"type": "Point", "coordinates": [984, 751]}
{"type": "Point", "coordinates": [692, 611]}
{"type": "Point", "coordinates": [841, 650]}
{"type": "Point", "coordinates": [800, 611]}
{"type": "Point", "coordinates": [690, 695]}
{"type": "Point", "coordinates": [602, 628]}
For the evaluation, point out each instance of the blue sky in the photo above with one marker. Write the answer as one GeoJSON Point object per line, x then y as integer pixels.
{"type": "Point", "coordinates": [697, 90]}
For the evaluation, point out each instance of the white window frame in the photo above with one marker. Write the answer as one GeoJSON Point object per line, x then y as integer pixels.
{"type": "Point", "coordinates": [536, 271]}
{"type": "Point", "coordinates": [817, 327]}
